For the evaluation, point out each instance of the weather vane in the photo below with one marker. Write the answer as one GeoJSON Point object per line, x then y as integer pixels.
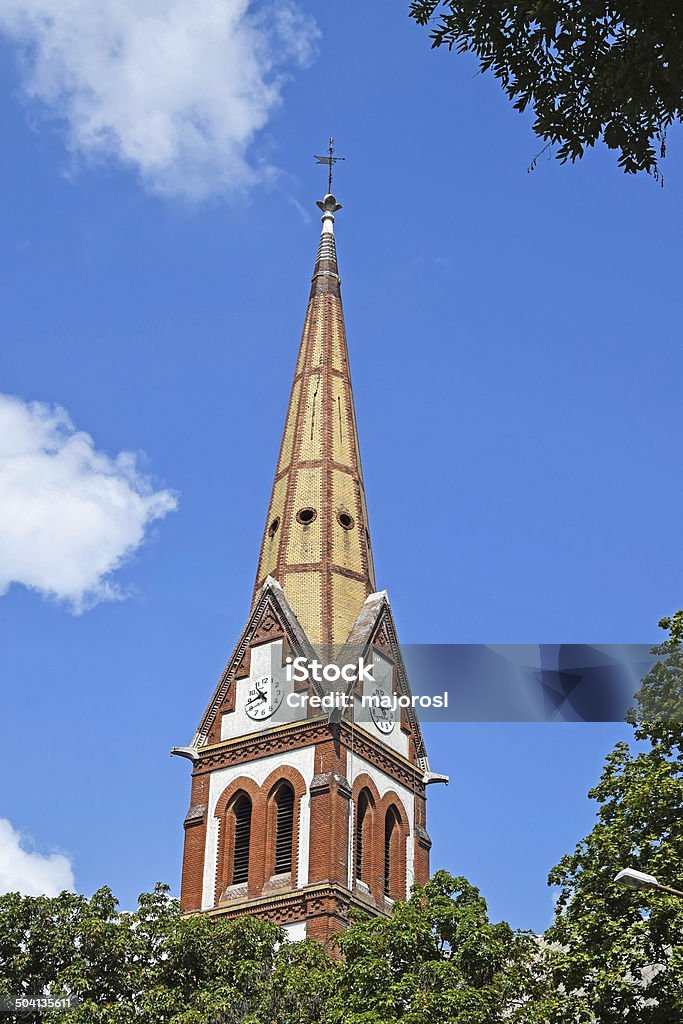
{"type": "Point", "coordinates": [330, 160]}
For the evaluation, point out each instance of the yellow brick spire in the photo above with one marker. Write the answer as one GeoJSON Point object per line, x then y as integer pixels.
{"type": "Point", "coordinates": [316, 542]}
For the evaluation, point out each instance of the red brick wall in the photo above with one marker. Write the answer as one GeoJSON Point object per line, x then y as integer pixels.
{"type": "Point", "coordinates": [329, 844]}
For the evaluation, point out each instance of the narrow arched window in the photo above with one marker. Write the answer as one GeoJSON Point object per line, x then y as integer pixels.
{"type": "Point", "coordinates": [391, 847]}
{"type": "Point", "coordinates": [284, 828]}
{"type": "Point", "coordinates": [241, 810]}
{"type": "Point", "coordinates": [361, 813]}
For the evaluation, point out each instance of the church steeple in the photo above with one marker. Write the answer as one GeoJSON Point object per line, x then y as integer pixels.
{"type": "Point", "coordinates": [316, 542]}
{"type": "Point", "coordinates": [300, 814]}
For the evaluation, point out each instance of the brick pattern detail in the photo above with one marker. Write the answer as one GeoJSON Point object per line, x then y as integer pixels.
{"type": "Point", "coordinates": [330, 793]}
{"type": "Point", "coordinates": [325, 908]}
{"type": "Point", "coordinates": [371, 884]}
{"type": "Point", "coordinates": [374, 625]}
{"type": "Point", "coordinates": [330, 818]}
{"type": "Point", "coordinates": [195, 844]}
{"type": "Point", "coordinates": [270, 619]}
{"type": "Point", "coordinates": [262, 839]}
{"type": "Point", "coordinates": [307, 733]}
{"type": "Point", "coordinates": [324, 567]}
{"type": "Point", "coordinates": [322, 572]}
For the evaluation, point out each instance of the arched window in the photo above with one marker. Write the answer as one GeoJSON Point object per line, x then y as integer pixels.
{"type": "Point", "coordinates": [392, 839]}
{"type": "Point", "coordinates": [362, 808]}
{"type": "Point", "coordinates": [241, 810]}
{"type": "Point", "coordinates": [284, 828]}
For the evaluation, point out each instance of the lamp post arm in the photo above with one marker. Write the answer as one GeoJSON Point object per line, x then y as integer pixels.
{"type": "Point", "coordinates": [670, 890]}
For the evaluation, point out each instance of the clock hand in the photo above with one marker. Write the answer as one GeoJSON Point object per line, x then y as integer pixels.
{"type": "Point", "coordinates": [260, 696]}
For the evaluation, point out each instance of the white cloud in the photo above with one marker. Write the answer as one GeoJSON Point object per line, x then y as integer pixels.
{"type": "Point", "coordinates": [176, 89]}
{"type": "Point", "coordinates": [28, 872]}
{"type": "Point", "coordinates": [69, 515]}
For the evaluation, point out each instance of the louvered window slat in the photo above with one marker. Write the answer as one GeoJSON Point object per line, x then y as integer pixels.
{"type": "Point", "coordinates": [390, 826]}
{"type": "Point", "coordinates": [284, 830]}
{"type": "Point", "coordinates": [361, 812]}
{"type": "Point", "coordinates": [240, 859]}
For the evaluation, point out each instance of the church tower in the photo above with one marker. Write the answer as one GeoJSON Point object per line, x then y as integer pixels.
{"type": "Point", "coordinates": [300, 810]}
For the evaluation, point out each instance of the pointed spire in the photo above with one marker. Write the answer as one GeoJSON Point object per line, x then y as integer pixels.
{"type": "Point", "coordinates": [316, 542]}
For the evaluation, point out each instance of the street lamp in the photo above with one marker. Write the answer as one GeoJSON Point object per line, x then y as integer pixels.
{"type": "Point", "coordinates": [633, 879]}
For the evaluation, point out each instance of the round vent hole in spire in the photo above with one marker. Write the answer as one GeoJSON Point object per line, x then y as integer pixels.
{"type": "Point", "coordinates": [274, 526]}
{"type": "Point", "coordinates": [306, 516]}
{"type": "Point", "coordinates": [345, 521]}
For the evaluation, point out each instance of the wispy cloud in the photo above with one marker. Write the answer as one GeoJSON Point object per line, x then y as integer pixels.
{"type": "Point", "coordinates": [69, 514]}
{"type": "Point", "coordinates": [28, 872]}
{"type": "Point", "coordinates": [176, 89]}
{"type": "Point", "coordinates": [301, 210]}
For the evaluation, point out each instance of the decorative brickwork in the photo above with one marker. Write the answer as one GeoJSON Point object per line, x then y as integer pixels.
{"type": "Point", "coordinates": [262, 839]}
{"type": "Point", "coordinates": [324, 907]}
{"type": "Point", "coordinates": [324, 566]}
{"type": "Point", "coordinates": [299, 823]}
{"type": "Point", "coordinates": [226, 837]}
{"type": "Point", "coordinates": [374, 827]}
{"type": "Point", "coordinates": [195, 843]}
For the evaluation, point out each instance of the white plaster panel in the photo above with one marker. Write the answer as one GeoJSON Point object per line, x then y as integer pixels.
{"type": "Point", "coordinates": [350, 850]}
{"type": "Point", "coordinates": [266, 660]}
{"type": "Point", "coordinates": [304, 830]}
{"type": "Point", "coordinates": [359, 766]}
{"type": "Point", "coordinates": [295, 932]}
{"type": "Point", "coordinates": [382, 671]}
{"type": "Point", "coordinates": [258, 772]}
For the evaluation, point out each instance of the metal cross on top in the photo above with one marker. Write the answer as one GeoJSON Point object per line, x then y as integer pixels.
{"type": "Point", "coordinates": [330, 160]}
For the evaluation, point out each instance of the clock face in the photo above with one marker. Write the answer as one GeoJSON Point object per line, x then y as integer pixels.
{"type": "Point", "coordinates": [264, 697]}
{"type": "Point", "coordinates": [383, 717]}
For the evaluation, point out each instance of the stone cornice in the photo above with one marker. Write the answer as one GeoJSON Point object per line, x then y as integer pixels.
{"type": "Point", "coordinates": [361, 744]}
{"type": "Point", "coordinates": [296, 905]}
{"type": "Point", "coordinates": [294, 736]}
{"type": "Point", "coordinates": [244, 749]}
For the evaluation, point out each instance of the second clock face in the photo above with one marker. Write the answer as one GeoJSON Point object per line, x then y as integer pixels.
{"type": "Point", "coordinates": [383, 717]}
{"type": "Point", "coordinates": [264, 697]}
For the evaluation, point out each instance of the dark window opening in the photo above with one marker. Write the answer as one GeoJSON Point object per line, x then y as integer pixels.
{"type": "Point", "coordinates": [274, 526]}
{"type": "Point", "coordinates": [284, 829]}
{"type": "Point", "coordinates": [361, 811]}
{"type": "Point", "coordinates": [345, 520]}
{"type": "Point", "coordinates": [306, 516]}
{"type": "Point", "coordinates": [390, 851]}
{"type": "Point", "coordinates": [240, 857]}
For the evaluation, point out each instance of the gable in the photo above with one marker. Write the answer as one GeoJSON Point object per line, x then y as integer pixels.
{"type": "Point", "coordinates": [374, 638]}
{"type": "Point", "coordinates": [272, 627]}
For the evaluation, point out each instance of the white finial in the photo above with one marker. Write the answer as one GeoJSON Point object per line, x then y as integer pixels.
{"type": "Point", "coordinates": [329, 206]}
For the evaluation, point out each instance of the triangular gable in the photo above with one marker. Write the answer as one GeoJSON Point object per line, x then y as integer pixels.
{"type": "Point", "coordinates": [271, 619]}
{"type": "Point", "coordinates": [375, 628]}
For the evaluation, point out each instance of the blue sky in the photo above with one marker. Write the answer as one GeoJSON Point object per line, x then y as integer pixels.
{"type": "Point", "coordinates": [515, 350]}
